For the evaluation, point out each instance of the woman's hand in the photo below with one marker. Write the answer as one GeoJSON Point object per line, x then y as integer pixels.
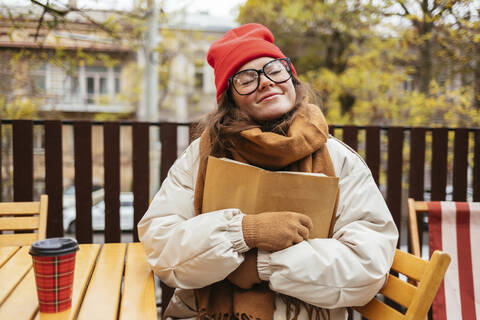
{"type": "Point", "coordinates": [274, 231]}
{"type": "Point", "coordinates": [246, 275]}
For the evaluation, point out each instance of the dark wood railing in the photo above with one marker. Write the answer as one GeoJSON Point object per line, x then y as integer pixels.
{"type": "Point", "coordinates": [399, 157]}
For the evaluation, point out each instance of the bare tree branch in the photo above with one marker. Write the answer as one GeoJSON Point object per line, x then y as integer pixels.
{"type": "Point", "coordinates": [62, 13]}
{"type": "Point", "coordinates": [51, 9]}
{"type": "Point", "coordinates": [98, 24]}
{"type": "Point", "coordinates": [402, 4]}
{"type": "Point", "coordinates": [447, 7]}
{"type": "Point", "coordinates": [128, 14]}
{"type": "Point", "coordinates": [40, 21]}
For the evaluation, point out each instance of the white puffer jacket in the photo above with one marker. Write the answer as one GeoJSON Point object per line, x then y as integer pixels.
{"type": "Point", "coordinates": [188, 251]}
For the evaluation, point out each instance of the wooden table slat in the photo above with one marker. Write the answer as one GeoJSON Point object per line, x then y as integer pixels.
{"type": "Point", "coordinates": [138, 298]}
{"type": "Point", "coordinates": [84, 265]}
{"type": "Point", "coordinates": [6, 253]}
{"type": "Point", "coordinates": [103, 293]}
{"type": "Point", "coordinates": [22, 304]}
{"type": "Point", "coordinates": [13, 271]}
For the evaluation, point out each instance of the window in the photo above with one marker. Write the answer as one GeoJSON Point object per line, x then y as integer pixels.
{"type": "Point", "coordinates": [39, 79]}
{"type": "Point", "coordinates": [101, 83]}
{"type": "Point", "coordinates": [74, 86]}
{"type": "Point", "coordinates": [96, 83]}
{"type": "Point", "coordinates": [90, 90]}
{"type": "Point", "coordinates": [103, 86]}
{"type": "Point", "coordinates": [198, 77]}
{"type": "Point", "coordinates": [117, 85]}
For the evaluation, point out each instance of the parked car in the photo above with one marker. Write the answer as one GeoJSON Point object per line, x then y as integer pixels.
{"type": "Point", "coordinates": [98, 194]}
{"type": "Point", "coordinates": [98, 215]}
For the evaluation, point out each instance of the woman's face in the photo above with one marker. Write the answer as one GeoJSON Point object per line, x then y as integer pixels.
{"type": "Point", "coordinates": [271, 100]}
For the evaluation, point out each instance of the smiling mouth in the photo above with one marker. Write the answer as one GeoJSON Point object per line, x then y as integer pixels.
{"type": "Point", "coordinates": [269, 96]}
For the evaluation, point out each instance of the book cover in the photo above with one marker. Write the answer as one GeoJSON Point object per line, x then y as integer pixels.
{"type": "Point", "coordinates": [232, 184]}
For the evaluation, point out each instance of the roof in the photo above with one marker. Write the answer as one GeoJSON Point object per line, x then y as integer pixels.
{"type": "Point", "coordinates": [76, 31]}
{"type": "Point", "coordinates": [201, 21]}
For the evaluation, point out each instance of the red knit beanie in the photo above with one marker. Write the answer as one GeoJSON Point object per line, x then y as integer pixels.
{"type": "Point", "coordinates": [237, 47]}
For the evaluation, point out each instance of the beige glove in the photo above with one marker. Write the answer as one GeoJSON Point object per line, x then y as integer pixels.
{"type": "Point", "coordinates": [246, 275]}
{"type": "Point", "coordinates": [274, 231]}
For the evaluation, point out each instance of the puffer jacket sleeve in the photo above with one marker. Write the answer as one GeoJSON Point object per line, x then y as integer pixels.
{"type": "Point", "coordinates": [351, 267]}
{"type": "Point", "coordinates": [184, 250]}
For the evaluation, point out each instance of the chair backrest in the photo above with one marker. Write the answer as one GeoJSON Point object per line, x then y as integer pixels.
{"type": "Point", "coordinates": [414, 209]}
{"type": "Point", "coordinates": [23, 218]}
{"type": "Point", "coordinates": [454, 228]}
{"type": "Point", "coordinates": [416, 299]}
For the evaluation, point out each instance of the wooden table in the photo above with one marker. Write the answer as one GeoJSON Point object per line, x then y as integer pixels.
{"type": "Point", "coordinates": [113, 281]}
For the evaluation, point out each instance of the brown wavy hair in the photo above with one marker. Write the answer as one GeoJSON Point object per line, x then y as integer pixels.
{"type": "Point", "coordinates": [227, 119]}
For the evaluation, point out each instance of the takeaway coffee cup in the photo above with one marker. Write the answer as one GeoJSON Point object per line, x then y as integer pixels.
{"type": "Point", "coordinates": [54, 266]}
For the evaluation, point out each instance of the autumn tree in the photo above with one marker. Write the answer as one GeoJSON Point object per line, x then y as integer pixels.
{"type": "Point", "coordinates": [387, 63]}
{"type": "Point", "coordinates": [325, 40]}
{"type": "Point", "coordinates": [431, 33]}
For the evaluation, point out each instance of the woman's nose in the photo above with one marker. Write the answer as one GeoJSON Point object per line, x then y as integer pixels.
{"type": "Point", "coordinates": [264, 82]}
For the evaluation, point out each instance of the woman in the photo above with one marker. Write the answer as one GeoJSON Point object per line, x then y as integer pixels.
{"type": "Point", "coordinates": [225, 264]}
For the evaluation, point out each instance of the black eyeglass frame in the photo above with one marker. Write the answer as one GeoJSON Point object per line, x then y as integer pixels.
{"type": "Point", "coordinates": [259, 72]}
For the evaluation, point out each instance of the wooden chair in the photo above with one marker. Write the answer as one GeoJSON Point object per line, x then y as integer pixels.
{"type": "Point", "coordinates": [415, 208]}
{"type": "Point", "coordinates": [454, 228]}
{"type": "Point", "coordinates": [415, 299]}
{"type": "Point", "coordinates": [23, 217]}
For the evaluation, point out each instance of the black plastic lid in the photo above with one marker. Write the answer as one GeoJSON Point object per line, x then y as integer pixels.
{"type": "Point", "coordinates": [53, 247]}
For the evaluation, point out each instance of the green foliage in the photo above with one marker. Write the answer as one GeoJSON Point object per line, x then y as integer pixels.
{"type": "Point", "coordinates": [18, 107]}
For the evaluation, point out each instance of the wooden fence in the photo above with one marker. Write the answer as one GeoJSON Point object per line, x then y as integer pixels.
{"type": "Point", "coordinates": [400, 158]}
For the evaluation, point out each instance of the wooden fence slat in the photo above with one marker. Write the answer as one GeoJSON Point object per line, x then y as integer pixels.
{"type": "Point", "coordinates": [82, 131]}
{"type": "Point", "coordinates": [394, 173]}
{"type": "Point", "coordinates": [417, 164]}
{"type": "Point", "coordinates": [394, 182]}
{"type": "Point", "coordinates": [331, 130]}
{"type": "Point", "coordinates": [141, 172]}
{"type": "Point", "coordinates": [439, 163]}
{"type": "Point", "coordinates": [460, 165]}
{"type": "Point", "coordinates": [193, 131]}
{"type": "Point", "coordinates": [416, 180]}
{"type": "Point", "coordinates": [350, 136]}
{"type": "Point", "coordinates": [54, 177]}
{"type": "Point", "coordinates": [22, 160]}
{"type": "Point", "coordinates": [373, 151]}
{"type": "Point", "coordinates": [476, 167]}
{"type": "Point", "coordinates": [168, 138]}
{"type": "Point", "coordinates": [111, 156]}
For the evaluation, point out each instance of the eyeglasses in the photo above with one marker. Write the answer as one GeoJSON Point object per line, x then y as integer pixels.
{"type": "Point", "coordinates": [245, 82]}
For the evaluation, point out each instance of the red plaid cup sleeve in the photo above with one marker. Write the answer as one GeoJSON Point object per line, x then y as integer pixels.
{"type": "Point", "coordinates": [54, 267]}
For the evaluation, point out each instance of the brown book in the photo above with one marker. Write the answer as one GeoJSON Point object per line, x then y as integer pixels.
{"type": "Point", "coordinates": [232, 184]}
